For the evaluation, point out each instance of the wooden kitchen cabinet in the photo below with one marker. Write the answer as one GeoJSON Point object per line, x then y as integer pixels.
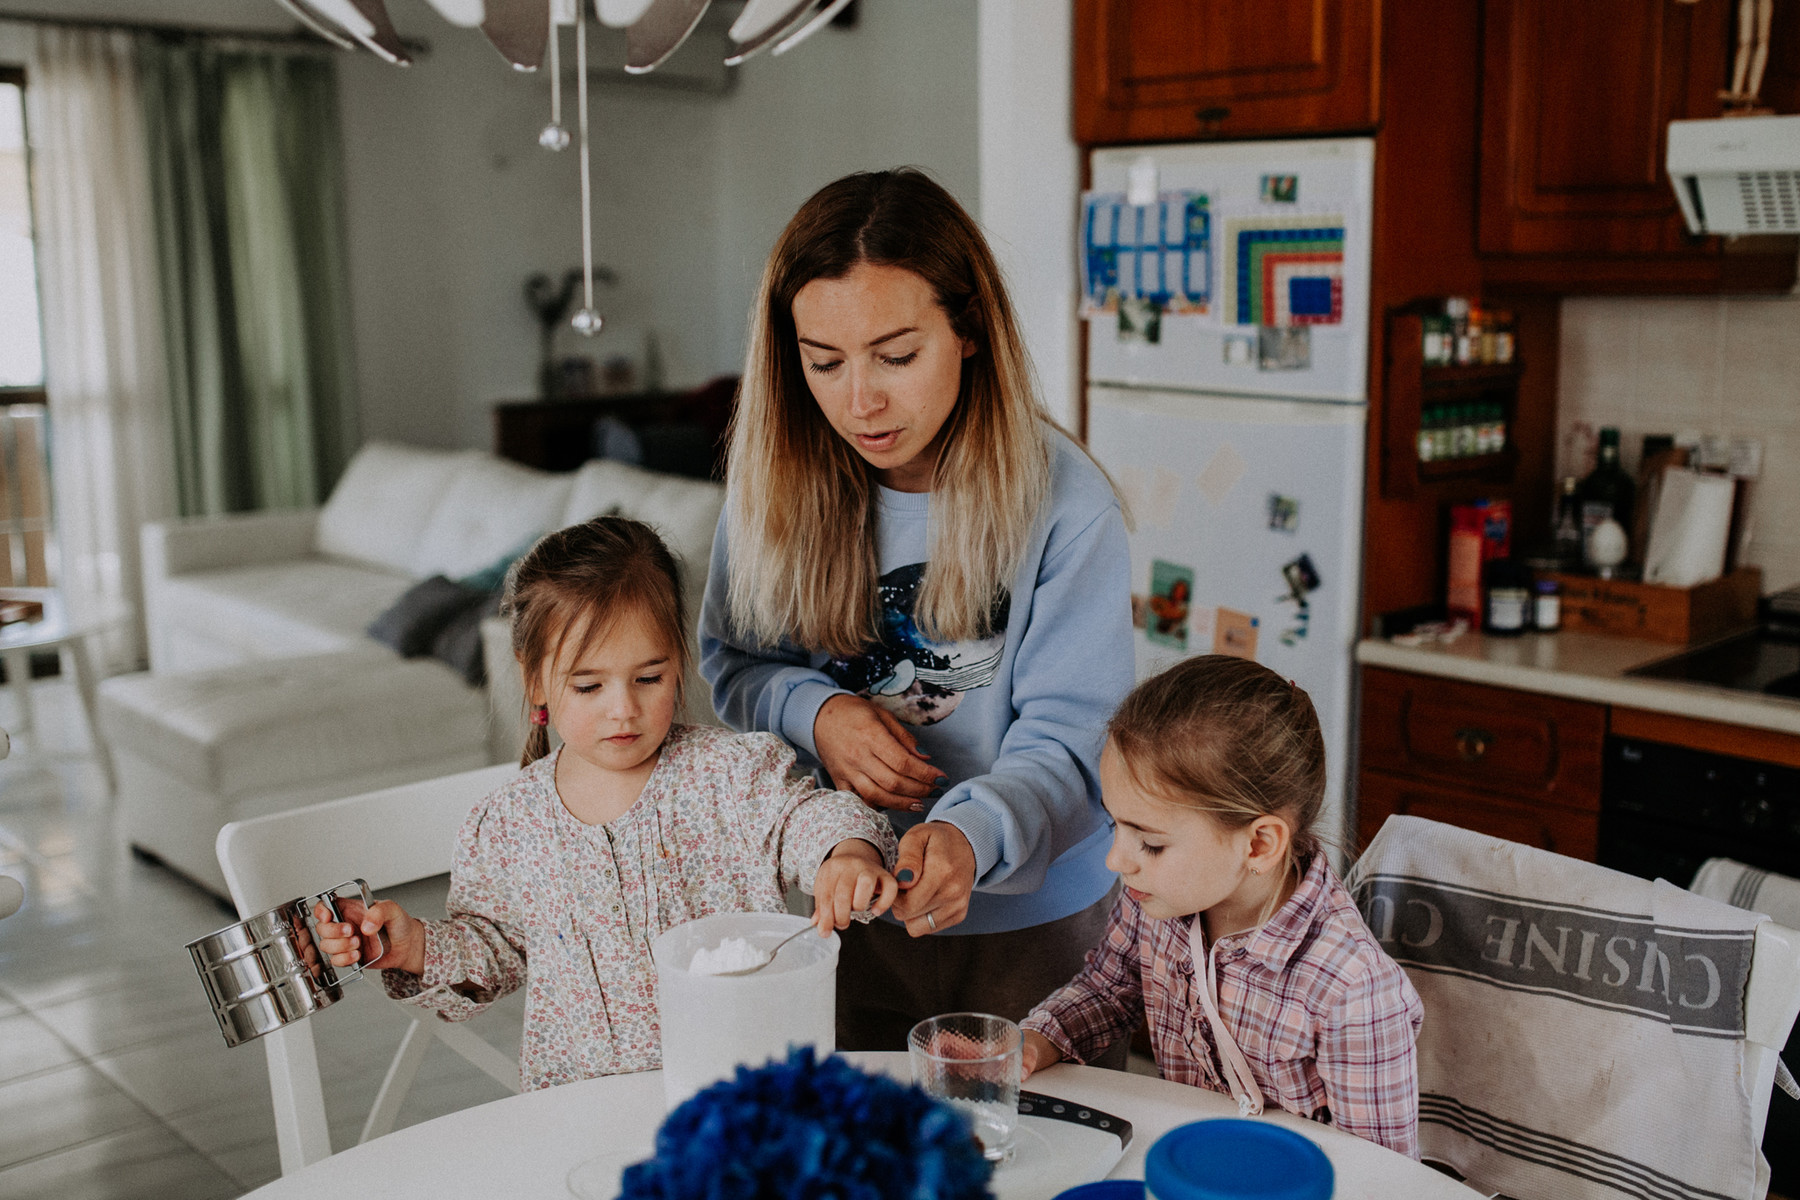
{"type": "Point", "coordinates": [1513, 764]}
{"type": "Point", "coordinates": [1178, 70]}
{"type": "Point", "coordinates": [1546, 826]}
{"type": "Point", "coordinates": [1576, 102]}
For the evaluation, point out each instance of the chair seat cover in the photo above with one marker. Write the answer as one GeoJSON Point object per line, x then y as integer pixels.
{"type": "Point", "coordinates": [1584, 1029]}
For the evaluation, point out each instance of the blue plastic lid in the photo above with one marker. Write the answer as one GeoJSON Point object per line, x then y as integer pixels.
{"type": "Point", "coordinates": [1106, 1189]}
{"type": "Point", "coordinates": [1236, 1160]}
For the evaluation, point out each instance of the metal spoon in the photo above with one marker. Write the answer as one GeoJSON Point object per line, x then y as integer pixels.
{"type": "Point", "coordinates": [772, 953]}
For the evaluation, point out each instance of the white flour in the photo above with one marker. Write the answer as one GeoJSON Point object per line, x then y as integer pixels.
{"type": "Point", "coordinates": [732, 954]}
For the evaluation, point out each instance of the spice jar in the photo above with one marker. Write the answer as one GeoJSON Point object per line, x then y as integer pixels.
{"type": "Point", "coordinates": [1546, 608]}
{"type": "Point", "coordinates": [1506, 598]}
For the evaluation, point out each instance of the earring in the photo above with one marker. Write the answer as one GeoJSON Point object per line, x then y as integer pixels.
{"type": "Point", "coordinates": [1256, 870]}
{"type": "Point", "coordinates": [540, 714]}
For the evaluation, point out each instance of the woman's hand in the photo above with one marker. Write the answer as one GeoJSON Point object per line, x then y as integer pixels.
{"type": "Point", "coordinates": [941, 864]}
{"type": "Point", "coordinates": [1037, 1053]}
{"type": "Point", "coordinates": [868, 751]}
{"type": "Point", "coordinates": [852, 880]}
{"type": "Point", "coordinates": [341, 942]}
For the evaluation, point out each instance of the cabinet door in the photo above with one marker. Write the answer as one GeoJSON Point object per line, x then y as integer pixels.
{"type": "Point", "coordinates": [1542, 749]}
{"type": "Point", "coordinates": [1548, 827]}
{"type": "Point", "coordinates": [1577, 101]}
{"type": "Point", "coordinates": [1168, 70]}
{"type": "Point", "coordinates": [1576, 104]}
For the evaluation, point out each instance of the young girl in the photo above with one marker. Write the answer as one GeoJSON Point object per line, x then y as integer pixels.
{"type": "Point", "coordinates": [1234, 935]}
{"type": "Point", "coordinates": [564, 875]}
{"type": "Point", "coordinates": [924, 587]}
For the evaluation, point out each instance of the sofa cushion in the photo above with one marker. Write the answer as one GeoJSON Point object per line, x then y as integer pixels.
{"type": "Point", "coordinates": [490, 508]}
{"type": "Point", "coordinates": [685, 511]}
{"type": "Point", "coordinates": [258, 727]}
{"type": "Point", "coordinates": [277, 610]}
{"type": "Point", "coordinates": [411, 624]}
{"type": "Point", "coordinates": [459, 644]}
{"type": "Point", "coordinates": [379, 510]}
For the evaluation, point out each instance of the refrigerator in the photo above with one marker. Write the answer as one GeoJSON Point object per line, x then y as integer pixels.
{"type": "Point", "coordinates": [1226, 294]}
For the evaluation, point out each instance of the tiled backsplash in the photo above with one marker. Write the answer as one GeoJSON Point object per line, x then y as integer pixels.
{"type": "Point", "coordinates": [1664, 365]}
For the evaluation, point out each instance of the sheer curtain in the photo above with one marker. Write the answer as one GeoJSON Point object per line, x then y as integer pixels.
{"type": "Point", "coordinates": [247, 189]}
{"type": "Point", "coordinates": [106, 373]}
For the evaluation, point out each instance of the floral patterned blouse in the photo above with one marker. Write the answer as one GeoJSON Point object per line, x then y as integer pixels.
{"type": "Point", "coordinates": [719, 827]}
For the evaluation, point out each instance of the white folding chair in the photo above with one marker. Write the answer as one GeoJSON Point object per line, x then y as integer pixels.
{"type": "Point", "coordinates": [388, 837]}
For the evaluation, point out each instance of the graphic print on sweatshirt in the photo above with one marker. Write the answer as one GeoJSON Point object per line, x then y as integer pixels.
{"type": "Point", "coordinates": [920, 681]}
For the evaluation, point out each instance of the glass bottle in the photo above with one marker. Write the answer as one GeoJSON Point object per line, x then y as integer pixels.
{"type": "Point", "coordinates": [1428, 420]}
{"type": "Point", "coordinates": [1607, 492]}
{"type": "Point", "coordinates": [1565, 530]}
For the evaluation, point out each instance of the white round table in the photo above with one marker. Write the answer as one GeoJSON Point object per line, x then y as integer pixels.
{"type": "Point", "coordinates": [66, 625]}
{"type": "Point", "coordinates": [524, 1146]}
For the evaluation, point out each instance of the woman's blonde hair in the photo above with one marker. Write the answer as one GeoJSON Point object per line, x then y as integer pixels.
{"type": "Point", "coordinates": [579, 582]}
{"type": "Point", "coordinates": [802, 501]}
{"type": "Point", "coordinates": [1230, 738]}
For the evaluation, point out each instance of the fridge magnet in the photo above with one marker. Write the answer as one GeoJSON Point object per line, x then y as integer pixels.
{"type": "Point", "coordinates": [1234, 633]}
{"type": "Point", "coordinates": [1160, 252]}
{"type": "Point", "coordinates": [1266, 255]}
{"type": "Point", "coordinates": [1139, 320]}
{"type": "Point", "coordinates": [1221, 474]}
{"type": "Point", "coordinates": [1302, 577]}
{"type": "Point", "coordinates": [1240, 350]}
{"type": "Point", "coordinates": [1288, 349]}
{"type": "Point", "coordinates": [1280, 189]}
{"type": "Point", "coordinates": [1171, 592]}
{"type": "Point", "coordinates": [1284, 513]}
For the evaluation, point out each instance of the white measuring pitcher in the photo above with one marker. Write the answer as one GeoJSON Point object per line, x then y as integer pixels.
{"type": "Point", "coordinates": [711, 1024]}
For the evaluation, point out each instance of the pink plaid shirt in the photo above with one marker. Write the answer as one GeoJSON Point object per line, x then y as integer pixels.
{"type": "Point", "coordinates": [1326, 1019]}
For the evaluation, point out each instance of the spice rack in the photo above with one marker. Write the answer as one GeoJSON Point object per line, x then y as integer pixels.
{"type": "Point", "coordinates": [1412, 388]}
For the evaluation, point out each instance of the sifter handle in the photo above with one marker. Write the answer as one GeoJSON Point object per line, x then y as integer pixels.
{"type": "Point", "coordinates": [373, 947]}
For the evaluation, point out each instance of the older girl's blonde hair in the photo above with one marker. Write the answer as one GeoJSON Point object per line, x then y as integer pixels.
{"type": "Point", "coordinates": [802, 501]}
{"type": "Point", "coordinates": [1230, 738]}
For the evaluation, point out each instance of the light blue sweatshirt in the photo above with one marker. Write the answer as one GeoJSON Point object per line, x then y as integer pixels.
{"type": "Point", "coordinates": [1015, 721]}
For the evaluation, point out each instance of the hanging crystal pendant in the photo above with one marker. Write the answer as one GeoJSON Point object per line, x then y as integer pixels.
{"type": "Point", "coordinates": [554, 136]}
{"type": "Point", "coordinates": [587, 320]}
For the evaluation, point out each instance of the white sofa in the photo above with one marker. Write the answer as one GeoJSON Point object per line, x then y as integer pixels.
{"type": "Point", "coordinates": [265, 690]}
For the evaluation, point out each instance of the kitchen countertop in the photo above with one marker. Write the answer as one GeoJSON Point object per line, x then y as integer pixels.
{"type": "Point", "coordinates": [1582, 666]}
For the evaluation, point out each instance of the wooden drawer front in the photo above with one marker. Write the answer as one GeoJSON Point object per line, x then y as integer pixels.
{"type": "Point", "coordinates": [1534, 747]}
{"type": "Point", "coordinates": [1546, 826]}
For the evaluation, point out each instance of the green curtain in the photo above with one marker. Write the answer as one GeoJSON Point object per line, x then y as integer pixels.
{"type": "Point", "coordinates": [247, 183]}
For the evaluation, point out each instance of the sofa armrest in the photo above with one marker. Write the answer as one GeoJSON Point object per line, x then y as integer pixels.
{"type": "Point", "coordinates": [237, 540]}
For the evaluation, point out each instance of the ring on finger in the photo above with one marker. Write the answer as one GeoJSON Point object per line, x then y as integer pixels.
{"type": "Point", "coordinates": [931, 921]}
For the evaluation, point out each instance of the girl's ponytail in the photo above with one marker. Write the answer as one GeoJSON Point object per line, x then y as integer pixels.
{"type": "Point", "coordinates": [537, 739]}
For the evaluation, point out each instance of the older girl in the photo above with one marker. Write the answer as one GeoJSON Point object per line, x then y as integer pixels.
{"type": "Point", "coordinates": [922, 585]}
{"type": "Point", "coordinates": [1234, 936]}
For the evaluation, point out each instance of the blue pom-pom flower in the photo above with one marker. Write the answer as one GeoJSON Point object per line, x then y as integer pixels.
{"type": "Point", "coordinates": [808, 1130]}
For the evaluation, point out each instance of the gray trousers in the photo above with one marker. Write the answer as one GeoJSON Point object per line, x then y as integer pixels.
{"type": "Point", "coordinates": [887, 982]}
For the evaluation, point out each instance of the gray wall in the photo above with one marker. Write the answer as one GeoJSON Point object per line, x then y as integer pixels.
{"type": "Point", "coordinates": [451, 203]}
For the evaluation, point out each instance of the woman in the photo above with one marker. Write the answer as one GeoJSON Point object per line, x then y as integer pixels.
{"type": "Point", "coordinates": [924, 587]}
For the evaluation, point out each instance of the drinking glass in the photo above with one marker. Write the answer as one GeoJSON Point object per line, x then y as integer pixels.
{"type": "Point", "coordinates": [971, 1060]}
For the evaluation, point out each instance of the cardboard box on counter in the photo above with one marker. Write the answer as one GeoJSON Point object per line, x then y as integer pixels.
{"type": "Point", "coordinates": [1661, 614]}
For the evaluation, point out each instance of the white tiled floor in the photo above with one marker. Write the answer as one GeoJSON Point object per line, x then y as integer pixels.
{"type": "Point", "coordinates": [114, 1080]}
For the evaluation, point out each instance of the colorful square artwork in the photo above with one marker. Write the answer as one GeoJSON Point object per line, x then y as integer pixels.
{"type": "Point", "coordinates": [1284, 270]}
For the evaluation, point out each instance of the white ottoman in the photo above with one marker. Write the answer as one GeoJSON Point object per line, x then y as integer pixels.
{"type": "Point", "coordinates": [194, 751]}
